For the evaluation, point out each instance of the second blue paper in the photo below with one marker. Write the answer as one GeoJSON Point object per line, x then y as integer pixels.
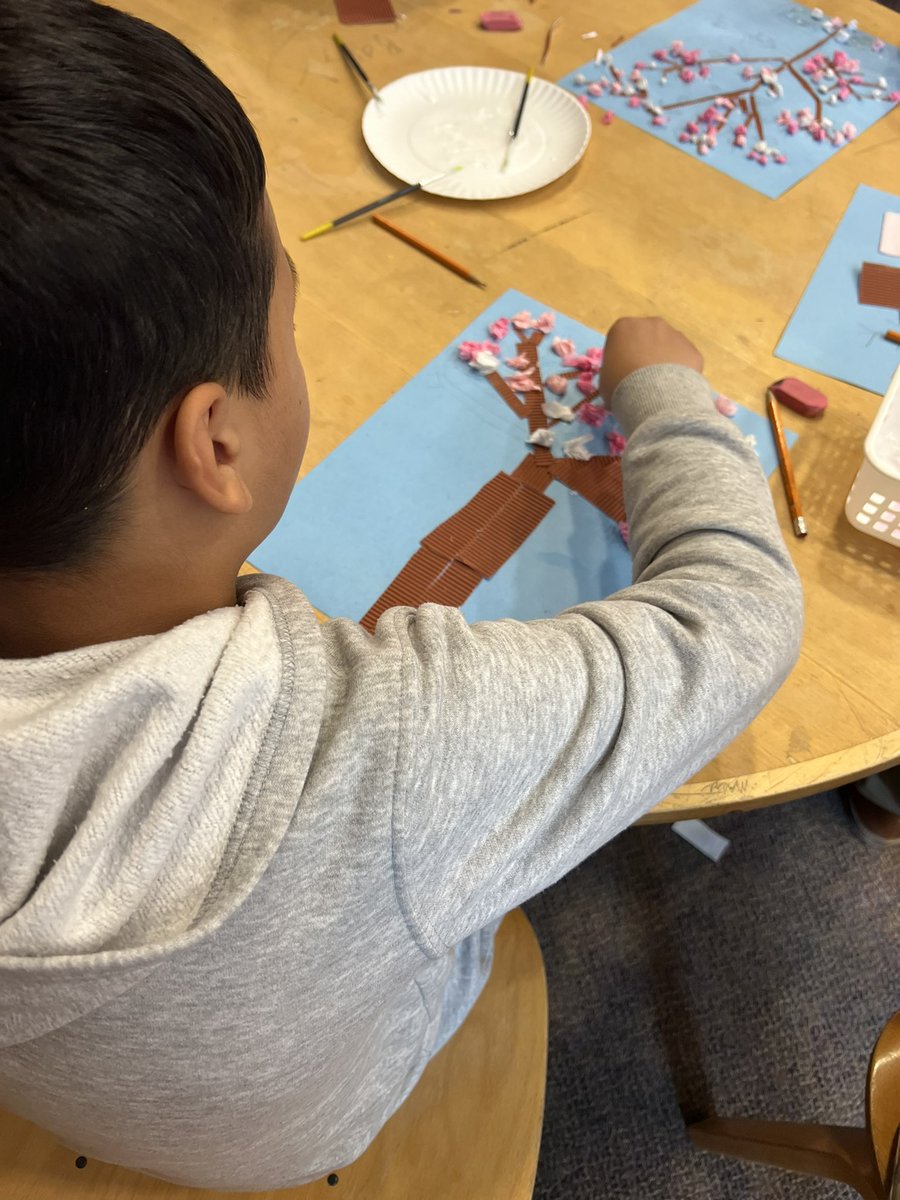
{"type": "Point", "coordinates": [762, 90]}
{"type": "Point", "coordinates": [830, 331]}
{"type": "Point", "coordinates": [356, 520]}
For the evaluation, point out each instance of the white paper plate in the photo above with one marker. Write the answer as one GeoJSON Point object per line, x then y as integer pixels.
{"type": "Point", "coordinates": [434, 120]}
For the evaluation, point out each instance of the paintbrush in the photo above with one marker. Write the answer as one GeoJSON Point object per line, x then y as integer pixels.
{"type": "Point", "coordinates": [348, 56]}
{"type": "Point", "coordinates": [514, 132]}
{"type": "Point", "coordinates": [358, 212]}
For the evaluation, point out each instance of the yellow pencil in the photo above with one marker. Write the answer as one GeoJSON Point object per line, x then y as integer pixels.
{"type": "Point", "coordinates": [437, 255]}
{"type": "Point", "coordinates": [787, 468]}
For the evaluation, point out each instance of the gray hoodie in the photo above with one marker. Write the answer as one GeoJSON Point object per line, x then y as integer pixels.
{"type": "Point", "coordinates": [250, 868]}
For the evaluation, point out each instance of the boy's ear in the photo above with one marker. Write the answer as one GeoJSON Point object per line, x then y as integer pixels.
{"type": "Point", "coordinates": [207, 446]}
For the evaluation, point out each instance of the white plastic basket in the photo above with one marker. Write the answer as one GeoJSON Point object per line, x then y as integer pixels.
{"type": "Point", "coordinates": [873, 503]}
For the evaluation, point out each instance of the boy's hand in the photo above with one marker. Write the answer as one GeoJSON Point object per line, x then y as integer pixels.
{"type": "Point", "coordinates": [635, 342]}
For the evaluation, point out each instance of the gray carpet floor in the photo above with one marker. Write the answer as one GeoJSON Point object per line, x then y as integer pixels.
{"type": "Point", "coordinates": [680, 988]}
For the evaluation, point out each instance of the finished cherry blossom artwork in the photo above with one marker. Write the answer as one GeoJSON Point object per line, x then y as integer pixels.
{"type": "Point", "coordinates": [762, 90]}
{"type": "Point", "coordinates": [492, 480]}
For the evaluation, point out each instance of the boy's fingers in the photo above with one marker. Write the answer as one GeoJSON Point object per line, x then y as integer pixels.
{"type": "Point", "coordinates": [635, 342]}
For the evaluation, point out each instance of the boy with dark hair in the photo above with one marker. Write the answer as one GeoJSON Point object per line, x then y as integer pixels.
{"type": "Point", "coordinates": [251, 866]}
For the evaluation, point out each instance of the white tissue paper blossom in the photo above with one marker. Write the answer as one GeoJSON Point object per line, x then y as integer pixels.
{"type": "Point", "coordinates": [542, 437]}
{"type": "Point", "coordinates": [485, 362]}
{"type": "Point", "coordinates": [556, 411]}
{"type": "Point", "coordinates": [577, 447]}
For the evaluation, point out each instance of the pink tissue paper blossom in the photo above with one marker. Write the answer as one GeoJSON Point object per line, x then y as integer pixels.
{"type": "Point", "coordinates": [562, 346]}
{"type": "Point", "coordinates": [616, 442]}
{"type": "Point", "coordinates": [556, 384]}
{"type": "Point", "coordinates": [468, 350]}
{"type": "Point", "coordinates": [499, 329]}
{"type": "Point", "coordinates": [522, 321]}
{"type": "Point", "coordinates": [592, 414]}
{"type": "Point", "coordinates": [523, 383]}
{"type": "Point", "coordinates": [578, 362]}
{"type": "Point", "coordinates": [545, 322]}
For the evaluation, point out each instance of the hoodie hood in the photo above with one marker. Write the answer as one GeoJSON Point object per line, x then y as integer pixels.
{"type": "Point", "coordinates": [130, 814]}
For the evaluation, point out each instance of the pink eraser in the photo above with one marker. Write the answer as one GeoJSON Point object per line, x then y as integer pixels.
{"type": "Point", "coordinates": [500, 19]}
{"type": "Point", "coordinates": [803, 399]}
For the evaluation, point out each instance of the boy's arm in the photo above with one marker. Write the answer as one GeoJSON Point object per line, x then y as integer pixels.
{"type": "Point", "coordinates": [524, 746]}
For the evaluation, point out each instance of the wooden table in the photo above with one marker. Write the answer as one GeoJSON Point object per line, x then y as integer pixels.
{"type": "Point", "coordinates": [635, 228]}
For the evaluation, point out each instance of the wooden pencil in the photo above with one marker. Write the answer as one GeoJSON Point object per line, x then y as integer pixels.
{"type": "Point", "coordinates": [893, 335]}
{"type": "Point", "coordinates": [547, 40]}
{"type": "Point", "coordinates": [787, 467]}
{"type": "Point", "coordinates": [437, 255]}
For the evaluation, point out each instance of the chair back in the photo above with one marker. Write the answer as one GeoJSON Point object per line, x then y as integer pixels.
{"type": "Point", "coordinates": [883, 1101]}
{"type": "Point", "coordinates": [471, 1127]}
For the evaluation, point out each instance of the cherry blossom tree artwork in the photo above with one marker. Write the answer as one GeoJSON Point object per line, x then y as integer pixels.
{"type": "Point", "coordinates": [568, 437]}
{"type": "Point", "coordinates": [491, 480]}
{"type": "Point", "coordinates": [762, 84]}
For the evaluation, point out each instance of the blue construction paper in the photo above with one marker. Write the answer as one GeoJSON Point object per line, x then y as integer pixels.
{"type": "Point", "coordinates": [830, 330]}
{"type": "Point", "coordinates": [355, 521]}
{"type": "Point", "coordinates": [769, 29]}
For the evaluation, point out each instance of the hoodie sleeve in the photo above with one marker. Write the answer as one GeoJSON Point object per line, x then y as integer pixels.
{"type": "Point", "coordinates": [524, 746]}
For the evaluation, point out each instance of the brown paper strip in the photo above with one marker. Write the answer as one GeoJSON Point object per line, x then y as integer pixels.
{"type": "Point", "coordinates": [880, 285]}
{"type": "Point", "coordinates": [505, 392]}
{"type": "Point", "coordinates": [532, 470]}
{"type": "Point", "coordinates": [599, 481]}
{"type": "Point", "coordinates": [450, 537]}
{"type": "Point", "coordinates": [426, 577]}
{"type": "Point", "coordinates": [506, 531]}
{"type": "Point", "coordinates": [364, 12]}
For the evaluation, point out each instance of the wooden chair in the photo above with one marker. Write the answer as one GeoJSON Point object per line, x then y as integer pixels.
{"type": "Point", "coordinates": [866, 1159]}
{"type": "Point", "coordinates": [472, 1126]}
